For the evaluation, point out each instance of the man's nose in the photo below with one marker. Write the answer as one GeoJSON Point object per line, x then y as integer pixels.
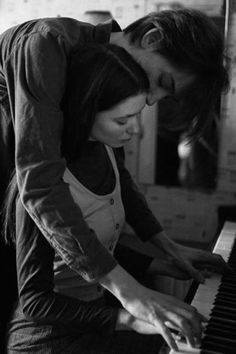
{"type": "Point", "coordinates": [156, 95]}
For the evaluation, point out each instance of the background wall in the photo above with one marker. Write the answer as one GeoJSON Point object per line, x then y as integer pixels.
{"type": "Point", "coordinates": [16, 11]}
{"type": "Point", "coordinates": [125, 11]}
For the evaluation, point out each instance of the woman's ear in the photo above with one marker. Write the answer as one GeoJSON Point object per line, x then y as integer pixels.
{"type": "Point", "coordinates": [151, 39]}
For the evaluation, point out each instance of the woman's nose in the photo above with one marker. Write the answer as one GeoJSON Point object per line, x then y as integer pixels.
{"type": "Point", "coordinates": [135, 126]}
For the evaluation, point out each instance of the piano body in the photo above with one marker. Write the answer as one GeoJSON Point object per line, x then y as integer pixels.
{"type": "Point", "coordinates": [216, 300]}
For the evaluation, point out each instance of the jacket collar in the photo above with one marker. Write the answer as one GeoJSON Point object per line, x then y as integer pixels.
{"type": "Point", "coordinates": [103, 30]}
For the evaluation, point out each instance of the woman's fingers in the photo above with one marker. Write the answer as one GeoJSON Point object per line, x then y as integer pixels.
{"type": "Point", "coordinates": [194, 325]}
{"type": "Point", "coordinates": [157, 327]}
{"type": "Point", "coordinates": [166, 334]}
{"type": "Point", "coordinates": [186, 320]}
{"type": "Point", "coordinates": [191, 334]}
{"type": "Point", "coordinates": [213, 262]}
{"type": "Point", "coordinates": [164, 312]}
{"type": "Point", "coordinates": [191, 331]}
{"type": "Point", "coordinates": [185, 266]}
{"type": "Point", "coordinates": [193, 272]}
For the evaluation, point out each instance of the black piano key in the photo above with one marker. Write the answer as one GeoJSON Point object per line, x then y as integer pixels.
{"type": "Point", "coordinates": [222, 299]}
{"type": "Point", "coordinates": [227, 325]}
{"type": "Point", "coordinates": [225, 346]}
{"type": "Point", "coordinates": [218, 348]}
{"type": "Point", "coordinates": [228, 283]}
{"type": "Point", "coordinates": [205, 351]}
{"type": "Point", "coordinates": [226, 298]}
{"type": "Point", "coordinates": [224, 287]}
{"type": "Point", "coordinates": [232, 294]}
{"type": "Point", "coordinates": [225, 304]}
{"type": "Point", "coordinates": [209, 344]}
{"type": "Point", "coordinates": [223, 314]}
{"type": "Point", "coordinates": [225, 321]}
{"type": "Point", "coordinates": [226, 331]}
{"type": "Point", "coordinates": [210, 335]}
{"type": "Point", "coordinates": [229, 275]}
{"type": "Point", "coordinates": [229, 278]}
{"type": "Point", "coordinates": [225, 310]}
{"type": "Point", "coordinates": [221, 332]}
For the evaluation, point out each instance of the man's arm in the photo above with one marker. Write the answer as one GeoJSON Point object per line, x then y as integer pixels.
{"type": "Point", "coordinates": [36, 76]}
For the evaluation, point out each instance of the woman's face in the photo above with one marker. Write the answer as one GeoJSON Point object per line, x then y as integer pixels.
{"type": "Point", "coordinates": [116, 126]}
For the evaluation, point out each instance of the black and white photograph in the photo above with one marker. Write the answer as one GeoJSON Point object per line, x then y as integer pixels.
{"type": "Point", "coordinates": [118, 176]}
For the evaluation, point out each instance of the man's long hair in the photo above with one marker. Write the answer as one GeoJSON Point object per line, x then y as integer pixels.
{"type": "Point", "coordinates": [190, 41]}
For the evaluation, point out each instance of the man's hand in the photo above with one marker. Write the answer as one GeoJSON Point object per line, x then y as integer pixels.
{"type": "Point", "coordinates": [184, 262]}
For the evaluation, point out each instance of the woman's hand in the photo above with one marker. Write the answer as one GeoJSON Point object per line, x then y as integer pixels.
{"type": "Point", "coordinates": [184, 262]}
{"type": "Point", "coordinates": [127, 322]}
{"type": "Point", "coordinates": [163, 312]}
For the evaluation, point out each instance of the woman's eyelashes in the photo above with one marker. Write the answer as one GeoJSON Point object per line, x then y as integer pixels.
{"type": "Point", "coordinates": [122, 121]}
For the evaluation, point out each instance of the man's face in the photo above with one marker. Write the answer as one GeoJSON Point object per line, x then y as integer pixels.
{"type": "Point", "coordinates": [164, 78]}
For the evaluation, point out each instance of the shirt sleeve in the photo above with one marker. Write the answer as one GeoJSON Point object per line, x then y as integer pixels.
{"type": "Point", "coordinates": [36, 76]}
{"type": "Point", "coordinates": [38, 300]}
{"type": "Point", "coordinates": [137, 212]}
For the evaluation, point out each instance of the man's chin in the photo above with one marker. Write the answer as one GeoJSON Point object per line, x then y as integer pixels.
{"type": "Point", "coordinates": [117, 145]}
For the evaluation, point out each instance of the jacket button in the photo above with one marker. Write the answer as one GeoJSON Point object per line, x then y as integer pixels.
{"type": "Point", "coordinates": [117, 226]}
{"type": "Point", "coordinates": [111, 201]}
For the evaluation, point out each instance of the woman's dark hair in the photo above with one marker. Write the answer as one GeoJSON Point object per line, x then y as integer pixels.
{"type": "Point", "coordinates": [189, 40]}
{"type": "Point", "coordinates": [99, 77]}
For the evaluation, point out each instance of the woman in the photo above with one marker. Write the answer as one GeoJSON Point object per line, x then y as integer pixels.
{"type": "Point", "coordinates": [60, 311]}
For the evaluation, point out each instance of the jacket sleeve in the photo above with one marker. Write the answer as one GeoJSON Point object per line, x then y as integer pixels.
{"type": "Point", "coordinates": [138, 214]}
{"type": "Point", "coordinates": [38, 299]}
{"type": "Point", "coordinates": [36, 74]}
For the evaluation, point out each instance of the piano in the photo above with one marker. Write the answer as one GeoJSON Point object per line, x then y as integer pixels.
{"type": "Point", "coordinates": [216, 300]}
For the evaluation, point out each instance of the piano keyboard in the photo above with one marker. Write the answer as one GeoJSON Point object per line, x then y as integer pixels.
{"type": "Point", "coordinates": [216, 300]}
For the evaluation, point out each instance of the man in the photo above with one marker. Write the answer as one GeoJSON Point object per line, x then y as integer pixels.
{"type": "Point", "coordinates": [182, 54]}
